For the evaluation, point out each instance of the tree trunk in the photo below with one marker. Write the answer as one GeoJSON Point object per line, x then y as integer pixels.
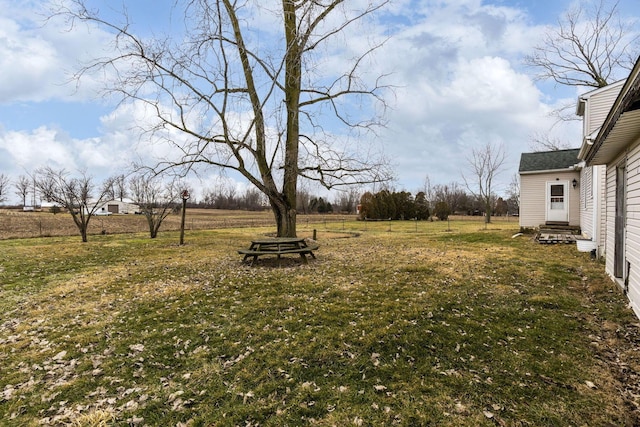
{"type": "Point", "coordinates": [285, 208]}
{"type": "Point", "coordinates": [153, 230]}
{"type": "Point", "coordinates": [82, 223]}
{"type": "Point", "coordinates": [285, 216]}
{"type": "Point", "coordinates": [487, 210]}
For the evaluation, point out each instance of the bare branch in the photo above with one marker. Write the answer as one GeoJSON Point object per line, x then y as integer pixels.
{"type": "Point", "coordinates": [75, 194]}
{"type": "Point", "coordinates": [485, 164]}
{"type": "Point", "coordinates": [4, 187]}
{"type": "Point", "coordinates": [224, 98]}
{"type": "Point", "coordinates": [156, 199]}
{"type": "Point", "coordinates": [587, 48]}
{"type": "Point", "coordinates": [545, 142]}
{"type": "Point", "coordinates": [23, 187]}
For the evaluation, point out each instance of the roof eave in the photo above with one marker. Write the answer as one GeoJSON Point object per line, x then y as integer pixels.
{"type": "Point", "coordinates": [625, 131]}
{"type": "Point", "coordinates": [564, 170]}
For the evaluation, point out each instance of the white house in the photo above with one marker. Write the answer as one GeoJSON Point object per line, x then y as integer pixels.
{"type": "Point", "coordinates": [616, 145]}
{"type": "Point", "coordinates": [593, 107]}
{"type": "Point", "coordinates": [549, 191]}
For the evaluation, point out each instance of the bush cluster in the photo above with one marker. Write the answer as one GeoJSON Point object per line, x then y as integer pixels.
{"type": "Point", "coordinates": [394, 205]}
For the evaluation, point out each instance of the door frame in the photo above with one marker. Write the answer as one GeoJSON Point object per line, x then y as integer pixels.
{"type": "Point", "coordinates": [547, 204]}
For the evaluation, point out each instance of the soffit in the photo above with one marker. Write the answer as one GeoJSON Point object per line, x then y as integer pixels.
{"type": "Point", "coordinates": [625, 132]}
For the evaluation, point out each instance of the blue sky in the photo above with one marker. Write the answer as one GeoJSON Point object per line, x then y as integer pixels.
{"type": "Point", "coordinates": [457, 64]}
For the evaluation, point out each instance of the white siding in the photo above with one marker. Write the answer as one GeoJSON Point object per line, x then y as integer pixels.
{"type": "Point", "coordinates": [586, 202]}
{"type": "Point", "coordinates": [632, 237]}
{"type": "Point", "coordinates": [533, 206]}
{"type": "Point", "coordinates": [610, 202]}
{"type": "Point", "coordinates": [592, 204]}
{"type": "Point", "coordinates": [632, 248]}
{"type": "Point", "coordinates": [118, 206]}
{"type": "Point", "coordinates": [531, 212]}
{"type": "Point", "coordinates": [598, 106]}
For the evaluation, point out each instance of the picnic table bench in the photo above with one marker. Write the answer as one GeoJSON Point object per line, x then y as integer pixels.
{"type": "Point", "coordinates": [278, 246]}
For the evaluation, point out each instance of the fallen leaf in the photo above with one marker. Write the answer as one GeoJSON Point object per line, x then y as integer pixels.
{"type": "Point", "coordinates": [136, 347]}
{"type": "Point", "coordinates": [60, 355]}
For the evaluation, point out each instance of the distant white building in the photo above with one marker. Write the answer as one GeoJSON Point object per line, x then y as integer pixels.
{"type": "Point", "coordinates": [124, 206]}
{"type": "Point", "coordinates": [44, 205]}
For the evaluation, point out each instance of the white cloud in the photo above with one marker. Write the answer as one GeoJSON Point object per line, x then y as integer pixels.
{"type": "Point", "coordinates": [461, 82]}
{"type": "Point", "coordinates": [457, 66]}
{"type": "Point", "coordinates": [39, 56]}
{"type": "Point", "coordinates": [27, 151]}
{"type": "Point", "coordinates": [29, 64]}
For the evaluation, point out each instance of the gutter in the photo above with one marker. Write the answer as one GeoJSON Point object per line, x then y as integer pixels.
{"type": "Point", "coordinates": [569, 169]}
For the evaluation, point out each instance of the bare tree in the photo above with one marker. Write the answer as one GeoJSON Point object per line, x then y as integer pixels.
{"type": "Point", "coordinates": [224, 68]}
{"type": "Point", "coordinates": [303, 200]}
{"type": "Point", "coordinates": [252, 199]}
{"type": "Point", "coordinates": [347, 200]}
{"type": "Point", "coordinates": [156, 199]}
{"type": "Point", "coordinates": [513, 192]}
{"type": "Point", "coordinates": [75, 194]}
{"type": "Point", "coordinates": [452, 195]}
{"type": "Point", "coordinates": [118, 188]}
{"type": "Point", "coordinates": [485, 164]}
{"type": "Point", "coordinates": [587, 48]}
{"type": "Point", "coordinates": [23, 187]}
{"type": "Point", "coordinates": [545, 142]}
{"type": "Point", "coordinates": [590, 47]}
{"type": "Point", "coordinates": [427, 189]}
{"type": "Point", "coordinates": [4, 187]}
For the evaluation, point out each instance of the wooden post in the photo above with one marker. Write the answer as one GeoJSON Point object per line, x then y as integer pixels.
{"type": "Point", "coordinates": [185, 196]}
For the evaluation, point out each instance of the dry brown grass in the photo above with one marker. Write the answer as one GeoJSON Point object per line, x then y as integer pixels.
{"type": "Point", "coordinates": [15, 224]}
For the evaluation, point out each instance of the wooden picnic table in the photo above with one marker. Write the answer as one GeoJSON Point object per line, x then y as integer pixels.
{"type": "Point", "coordinates": [278, 246]}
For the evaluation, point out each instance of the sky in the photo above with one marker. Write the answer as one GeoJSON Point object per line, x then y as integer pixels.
{"type": "Point", "coordinates": [456, 65]}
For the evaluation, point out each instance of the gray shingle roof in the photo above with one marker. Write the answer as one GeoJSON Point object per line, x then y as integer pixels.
{"type": "Point", "coordinates": [548, 160]}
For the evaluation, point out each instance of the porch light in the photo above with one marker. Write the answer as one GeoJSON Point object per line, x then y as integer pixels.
{"type": "Point", "coordinates": [574, 183]}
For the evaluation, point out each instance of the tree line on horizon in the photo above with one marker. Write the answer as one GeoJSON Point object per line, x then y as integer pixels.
{"type": "Point", "coordinates": [440, 202]}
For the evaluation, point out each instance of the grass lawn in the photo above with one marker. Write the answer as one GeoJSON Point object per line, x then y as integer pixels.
{"type": "Point", "coordinates": [406, 324]}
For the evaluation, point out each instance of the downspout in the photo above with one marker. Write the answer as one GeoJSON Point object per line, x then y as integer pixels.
{"type": "Point", "coordinates": [595, 194]}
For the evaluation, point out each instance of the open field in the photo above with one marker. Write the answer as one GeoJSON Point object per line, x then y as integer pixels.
{"type": "Point", "coordinates": [15, 224]}
{"type": "Point", "coordinates": [407, 324]}
{"type": "Point", "coordinates": [18, 224]}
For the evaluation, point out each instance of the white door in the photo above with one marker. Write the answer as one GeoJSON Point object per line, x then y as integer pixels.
{"type": "Point", "coordinates": [557, 201]}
